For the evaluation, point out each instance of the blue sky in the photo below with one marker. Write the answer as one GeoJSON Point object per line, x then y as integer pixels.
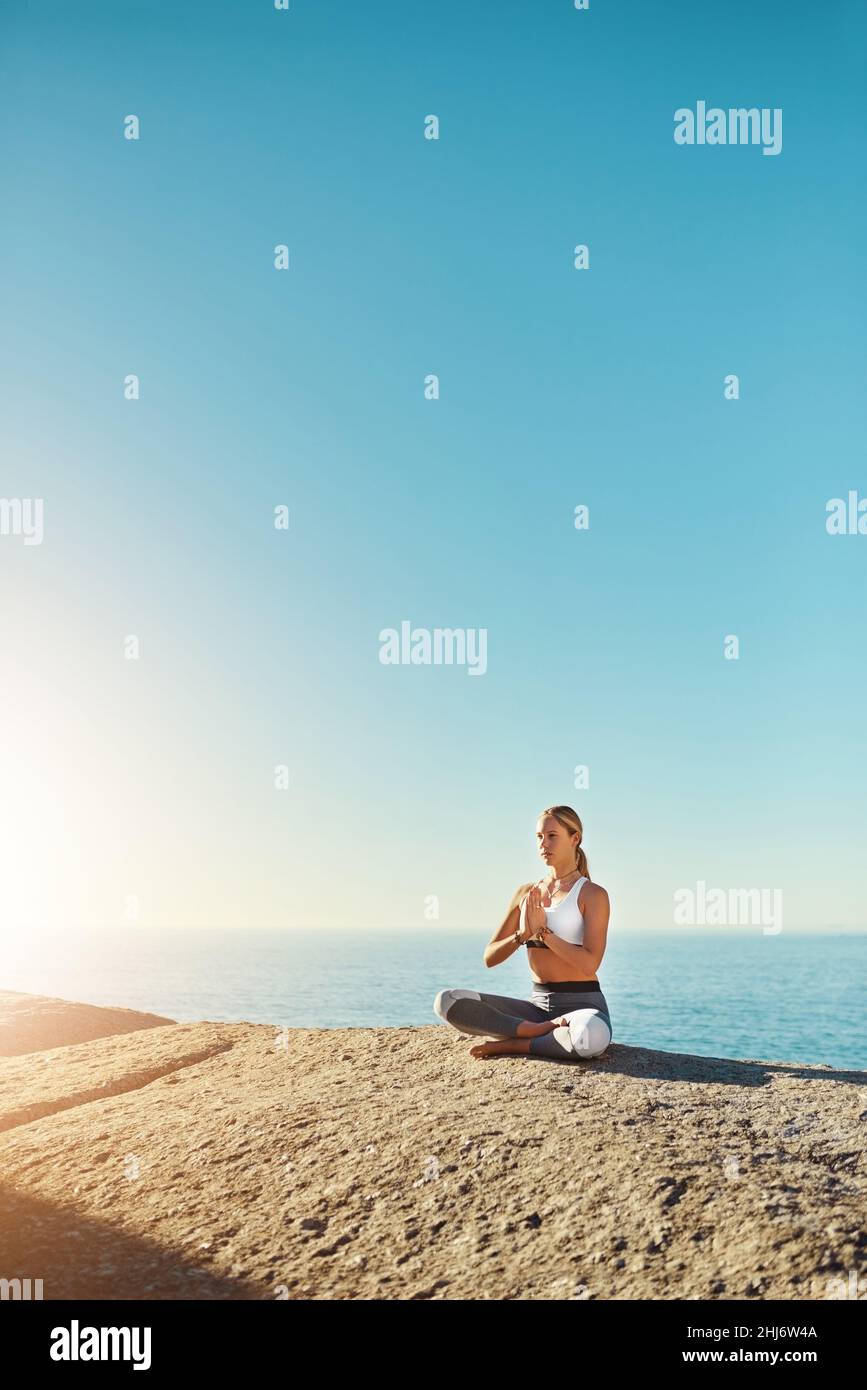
{"type": "Point", "coordinates": [558, 387]}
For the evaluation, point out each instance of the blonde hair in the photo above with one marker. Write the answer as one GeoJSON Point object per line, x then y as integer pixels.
{"type": "Point", "coordinates": [571, 821]}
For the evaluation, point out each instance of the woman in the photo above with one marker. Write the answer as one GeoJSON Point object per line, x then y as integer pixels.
{"type": "Point", "coordinates": [563, 919]}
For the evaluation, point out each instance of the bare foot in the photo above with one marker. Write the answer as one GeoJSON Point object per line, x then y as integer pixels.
{"type": "Point", "coordinates": [501, 1047]}
{"type": "Point", "coordinates": [536, 1030]}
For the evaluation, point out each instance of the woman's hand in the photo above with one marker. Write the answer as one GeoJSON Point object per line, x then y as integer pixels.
{"type": "Point", "coordinates": [535, 913]}
{"type": "Point", "coordinates": [523, 931]}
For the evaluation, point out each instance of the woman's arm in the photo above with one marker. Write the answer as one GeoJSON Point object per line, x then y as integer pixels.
{"type": "Point", "coordinates": [503, 944]}
{"type": "Point", "coordinates": [587, 958]}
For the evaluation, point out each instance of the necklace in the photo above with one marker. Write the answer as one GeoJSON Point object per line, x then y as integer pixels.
{"type": "Point", "coordinates": [559, 882]}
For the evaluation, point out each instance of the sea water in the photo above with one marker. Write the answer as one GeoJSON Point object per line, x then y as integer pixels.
{"type": "Point", "coordinates": [735, 992]}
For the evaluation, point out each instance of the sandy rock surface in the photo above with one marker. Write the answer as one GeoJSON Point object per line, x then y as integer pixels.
{"type": "Point", "coordinates": [30, 1022]}
{"type": "Point", "coordinates": [217, 1160]}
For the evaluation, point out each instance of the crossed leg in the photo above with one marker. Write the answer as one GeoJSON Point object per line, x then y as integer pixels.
{"type": "Point", "coordinates": [587, 1034]}
{"type": "Point", "coordinates": [519, 1026]}
{"type": "Point", "coordinates": [492, 1015]}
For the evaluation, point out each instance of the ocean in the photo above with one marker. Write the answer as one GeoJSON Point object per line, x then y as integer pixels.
{"type": "Point", "coordinates": [796, 997]}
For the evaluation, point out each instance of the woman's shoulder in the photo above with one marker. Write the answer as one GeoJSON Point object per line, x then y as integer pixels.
{"type": "Point", "coordinates": [594, 892]}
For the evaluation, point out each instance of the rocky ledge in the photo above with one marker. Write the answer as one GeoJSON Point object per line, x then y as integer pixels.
{"type": "Point", "coordinates": [143, 1158]}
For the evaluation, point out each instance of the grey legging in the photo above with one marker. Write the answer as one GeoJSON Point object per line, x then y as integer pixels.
{"type": "Point", "coordinates": [497, 1015]}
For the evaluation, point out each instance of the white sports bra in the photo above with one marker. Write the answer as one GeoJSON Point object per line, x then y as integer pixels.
{"type": "Point", "coordinates": [564, 918]}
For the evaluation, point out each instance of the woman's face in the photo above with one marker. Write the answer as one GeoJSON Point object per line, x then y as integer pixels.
{"type": "Point", "coordinates": [556, 844]}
